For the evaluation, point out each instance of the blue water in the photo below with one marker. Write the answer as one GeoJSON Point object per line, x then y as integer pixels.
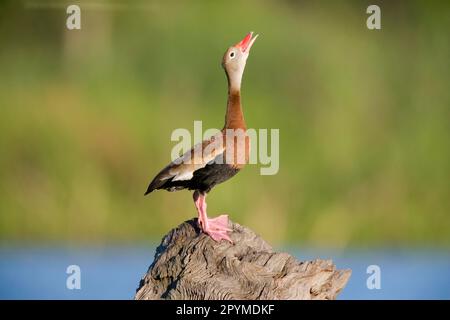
{"type": "Point", "coordinates": [114, 273]}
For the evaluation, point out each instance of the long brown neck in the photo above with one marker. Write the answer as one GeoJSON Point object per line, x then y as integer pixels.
{"type": "Point", "coordinates": [234, 118]}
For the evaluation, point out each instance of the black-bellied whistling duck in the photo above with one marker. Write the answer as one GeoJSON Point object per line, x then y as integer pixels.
{"type": "Point", "coordinates": [206, 164]}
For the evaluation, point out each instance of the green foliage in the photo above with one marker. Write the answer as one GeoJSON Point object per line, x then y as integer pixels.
{"type": "Point", "coordinates": [86, 119]}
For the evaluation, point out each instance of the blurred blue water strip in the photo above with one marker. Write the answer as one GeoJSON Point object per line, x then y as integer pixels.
{"type": "Point", "coordinates": [114, 272]}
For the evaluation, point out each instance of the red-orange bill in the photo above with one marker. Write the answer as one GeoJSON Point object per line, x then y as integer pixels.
{"type": "Point", "coordinates": [246, 43]}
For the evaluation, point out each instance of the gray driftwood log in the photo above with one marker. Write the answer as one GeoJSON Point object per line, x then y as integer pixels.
{"type": "Point", "coordinates": [190, 265]}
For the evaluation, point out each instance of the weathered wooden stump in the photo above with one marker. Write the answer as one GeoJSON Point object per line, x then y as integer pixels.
{"type": "Point", "coordinates": [190, 265]}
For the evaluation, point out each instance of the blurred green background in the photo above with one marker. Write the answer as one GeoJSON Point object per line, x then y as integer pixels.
{"type": "Point", "coordinates": [86, 118]}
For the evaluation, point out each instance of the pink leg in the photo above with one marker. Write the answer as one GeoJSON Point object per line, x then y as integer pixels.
{"type": "Point", "coordinates": [216, 228]}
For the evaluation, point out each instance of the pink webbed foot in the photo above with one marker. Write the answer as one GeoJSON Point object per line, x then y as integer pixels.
{"type": "Point", "coordinates": [216, 228]}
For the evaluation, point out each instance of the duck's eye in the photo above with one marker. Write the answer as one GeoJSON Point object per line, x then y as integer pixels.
{"type": "Point", "coordinates": [232, 54]}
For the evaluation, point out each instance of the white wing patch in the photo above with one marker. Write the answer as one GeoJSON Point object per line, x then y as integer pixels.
{"type": "Point", "coordinates": [185, 166]}
{"type": "Point", "coordinates": [183, 176]}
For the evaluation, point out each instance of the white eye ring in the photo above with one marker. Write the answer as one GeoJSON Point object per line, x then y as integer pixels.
{"type": "Point", "coordinates": [232, 54]}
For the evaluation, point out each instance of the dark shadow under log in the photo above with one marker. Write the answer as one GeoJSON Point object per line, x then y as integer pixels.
{"type": "Point", "coordinates": [190, 265]}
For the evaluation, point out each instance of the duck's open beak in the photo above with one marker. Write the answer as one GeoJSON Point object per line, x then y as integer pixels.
{"type": "Point", "coordinates": [246, 43]}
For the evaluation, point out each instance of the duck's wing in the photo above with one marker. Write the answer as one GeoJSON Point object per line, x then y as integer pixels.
{"type": "Point", "coordinates": [183, 168]}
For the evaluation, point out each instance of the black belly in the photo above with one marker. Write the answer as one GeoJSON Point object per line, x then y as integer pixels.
{"type": "Point", "coordinates": [204, 179]}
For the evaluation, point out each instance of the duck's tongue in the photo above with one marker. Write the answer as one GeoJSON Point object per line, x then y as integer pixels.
{"type": "Point", "coordinates": [246, 43]}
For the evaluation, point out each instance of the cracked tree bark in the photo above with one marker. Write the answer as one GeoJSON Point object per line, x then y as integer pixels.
{"type": "Point", "coordinates": [190, 265]}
